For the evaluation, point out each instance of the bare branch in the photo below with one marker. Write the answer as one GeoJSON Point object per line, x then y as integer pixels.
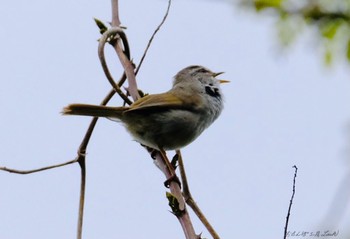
{"type": "Point", "coordinates": [290, 203]}
{"type": "Point", "coordinates": [129, 71]}
{"type": "Point", "coordinates": [104, 38]}
{"type": "Point", "coordinates": [10, 170]}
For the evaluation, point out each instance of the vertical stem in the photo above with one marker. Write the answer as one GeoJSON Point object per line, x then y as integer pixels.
{"type": "Point", "coordinates": [115, 13]}
{"type": "Point", "coordinates": [82, 197]}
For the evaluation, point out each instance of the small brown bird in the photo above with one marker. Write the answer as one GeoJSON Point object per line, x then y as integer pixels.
{"type": "Point", "coordinates": [169, 120]}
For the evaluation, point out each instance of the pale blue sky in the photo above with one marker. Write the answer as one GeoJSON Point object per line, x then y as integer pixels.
{"type": "Point", "coordinates": [280, 110]}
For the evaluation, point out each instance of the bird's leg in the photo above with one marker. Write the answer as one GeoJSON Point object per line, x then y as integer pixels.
{"type": "Point", "coordinates": [171, 168]}
{"type": "Point", "coordinates": [169, 165]}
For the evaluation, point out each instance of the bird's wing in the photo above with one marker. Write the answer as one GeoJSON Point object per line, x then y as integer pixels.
{"type": "Point", "coordinates": [157, 102]}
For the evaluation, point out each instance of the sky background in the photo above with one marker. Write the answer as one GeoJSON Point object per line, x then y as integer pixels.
{"type": "Point", "coordinates": [282, 108]}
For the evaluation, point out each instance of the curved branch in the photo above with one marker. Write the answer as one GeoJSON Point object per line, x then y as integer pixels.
{"type": "Point", "coordinates": [112, 32]}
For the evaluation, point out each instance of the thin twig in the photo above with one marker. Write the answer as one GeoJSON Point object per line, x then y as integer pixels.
{"type": "Point", "coordinates": [290, 203]}
{"type": "Point", "coordinates": [10, 170]}
{"type": "Point", "coordinates": [190, 201]}
{"type": "Point", "coordinates": [152, 37]}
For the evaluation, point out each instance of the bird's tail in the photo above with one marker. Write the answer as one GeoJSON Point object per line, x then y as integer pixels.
{"type": "Point", "coordinates": [94, 110]}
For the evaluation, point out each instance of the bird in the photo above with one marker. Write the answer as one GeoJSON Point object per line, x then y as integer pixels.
{"type": "Point", "coordinates": [169, 120]}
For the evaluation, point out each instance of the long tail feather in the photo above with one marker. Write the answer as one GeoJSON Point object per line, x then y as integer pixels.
{"type": "Point", "coordinates": [93, 110]}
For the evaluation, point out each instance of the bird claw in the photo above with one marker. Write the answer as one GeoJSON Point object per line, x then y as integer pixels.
{"type": "Point", "coordinates": [172, 178]}
{"type": "Point", "coordinates": [174, 161]}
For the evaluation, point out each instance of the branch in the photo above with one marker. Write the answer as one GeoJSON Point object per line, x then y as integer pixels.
{"type": "Point", "coordinates": [10, 170]}
{"type": "Point", "coordinates": [290, 203]}
{"type": "Point", "coordinates": [104, 38]}
{"type": "Point", "coordinates": [129, 71]}
{"type": "Point", "coordinates": [115, 13]}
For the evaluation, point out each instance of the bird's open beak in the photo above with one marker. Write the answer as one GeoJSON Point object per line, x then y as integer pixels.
{"type": "Point", "coordinates": [218, 73]}
{"type": "Point", "coordinates": [220, 81]}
